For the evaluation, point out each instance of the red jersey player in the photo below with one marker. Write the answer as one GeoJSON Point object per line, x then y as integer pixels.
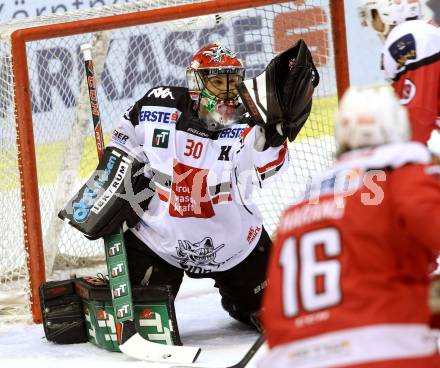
{"type": "Point", "coordinates": [410, 59]}
{"type": "Point", "coordinates": [349, 272]}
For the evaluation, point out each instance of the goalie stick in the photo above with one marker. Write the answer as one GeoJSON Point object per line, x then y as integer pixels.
{"type": "Point", "coordinates": [130, 341]}
{"type": "Point", "coordinates": [242, 363]}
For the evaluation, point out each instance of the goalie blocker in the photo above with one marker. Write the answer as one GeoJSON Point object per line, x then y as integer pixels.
{"type": "Point", "coordinates": [116, 192]}
{"type": "Point", "coordinates": [80, 310]}
{"type": "Point", "coordinates": [280, 98]}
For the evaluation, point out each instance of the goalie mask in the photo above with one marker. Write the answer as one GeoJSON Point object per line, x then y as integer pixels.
{"type": "Point", "coordinates": [390, 13]}
{"type": "Point", "coordinates": [212, 77]}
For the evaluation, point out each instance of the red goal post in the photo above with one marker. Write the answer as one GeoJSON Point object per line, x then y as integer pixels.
{"type": "Point", "coordinates": [118, 18]}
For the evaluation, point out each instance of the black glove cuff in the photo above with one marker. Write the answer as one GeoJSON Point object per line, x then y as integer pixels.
{"type": "Point", "coordinates": [273, 138]}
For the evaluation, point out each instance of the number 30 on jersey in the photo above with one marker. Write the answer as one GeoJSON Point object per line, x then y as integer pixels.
{"type": "Point", "coordinates": [301, 270]}
{"type": "Point", "coordinates": [193, 148]}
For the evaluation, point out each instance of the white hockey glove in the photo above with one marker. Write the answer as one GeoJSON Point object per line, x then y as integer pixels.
{"type": "Point", "coordinates": [263, 135]}
{"type": "Point", "coordinates": [260, 139]}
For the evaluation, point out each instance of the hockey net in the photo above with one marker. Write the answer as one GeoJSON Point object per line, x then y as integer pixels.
{"type": "Point", "coordinates": [46, 141]}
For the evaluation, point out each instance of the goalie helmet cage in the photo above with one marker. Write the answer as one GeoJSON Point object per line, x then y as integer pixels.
{"type": "Point", "coordinates": [46, 141]}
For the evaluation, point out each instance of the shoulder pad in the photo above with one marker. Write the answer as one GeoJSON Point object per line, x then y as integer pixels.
{"type": "Point", "coordinates": [408, 43]}
{"type": "Point", "coordinates": [403, 49]}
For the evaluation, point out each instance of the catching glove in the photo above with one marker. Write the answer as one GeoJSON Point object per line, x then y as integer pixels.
{"type": "Point", "coordinates": [280, 98]}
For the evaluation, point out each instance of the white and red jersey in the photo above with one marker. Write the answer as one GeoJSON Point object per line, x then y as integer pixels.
{"type": "Point", "coordinates": [411, 59]}
{"type": "Point", "coordinates": [201, 217]}
{"type": "Point", "coordinates": [349, 273]}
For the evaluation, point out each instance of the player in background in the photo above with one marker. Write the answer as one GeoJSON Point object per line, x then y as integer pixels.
{"type": "Point", "coordinates": [349, 272]}
{"type": "Point", "coordinates": [203, 156]}
{"type": "Point", "coordinates": [410, 59]}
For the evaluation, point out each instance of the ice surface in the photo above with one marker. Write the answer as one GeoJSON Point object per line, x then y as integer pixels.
{"type": "Point", "coordinates": [201, 319]}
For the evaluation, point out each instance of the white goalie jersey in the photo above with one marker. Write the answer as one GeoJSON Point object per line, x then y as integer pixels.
{"type": "Point", "coordinates": [201, 217]}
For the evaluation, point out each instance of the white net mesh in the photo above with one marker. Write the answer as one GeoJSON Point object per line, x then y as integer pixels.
{"type": "Point", "coordinates": [129, 61]}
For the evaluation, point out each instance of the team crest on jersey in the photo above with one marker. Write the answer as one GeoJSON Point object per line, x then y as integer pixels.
{"type": "Point", "coordinates": [161, 92]}
{"type": "Point", "coordinates": [202, 253]}
{"type": "Point", "coordinates": [160, 138]}
{"type": "Point", "coordinates": [403, 49]}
